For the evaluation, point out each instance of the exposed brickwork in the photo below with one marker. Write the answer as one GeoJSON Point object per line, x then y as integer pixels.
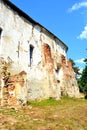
{"type": "Point", "coordinates": [69, 83]}
{"type": "Point", "coordinates": [48, 61]}
{"type": "Point", "coordinates": [67, 68]}
{"type": "Point", "coordinates": [13, 90]}
{"type": "Point", "coordinates": [70, 69]}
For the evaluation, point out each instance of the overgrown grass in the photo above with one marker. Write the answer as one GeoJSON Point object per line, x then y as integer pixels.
{"type": "Point", "coordinates": [65, 100]}
{"type": "Point", "coordinates": [45, 102]}
{"type": "Point", "coordinates": [48, 114]}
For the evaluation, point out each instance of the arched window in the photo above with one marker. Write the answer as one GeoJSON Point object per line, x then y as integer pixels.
{"type": "Point", "coordinates": [31, 54]}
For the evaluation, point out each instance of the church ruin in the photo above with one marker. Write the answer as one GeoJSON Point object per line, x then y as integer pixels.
{"type": "Point", "coordinates": [33, 61]}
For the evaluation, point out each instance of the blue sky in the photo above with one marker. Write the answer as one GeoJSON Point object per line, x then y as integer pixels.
{"type": "Point", "coordinates": [67, 19]}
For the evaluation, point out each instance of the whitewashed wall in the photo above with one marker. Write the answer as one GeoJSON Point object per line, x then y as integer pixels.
{"type": "Point", "coordinates": [18, 31]}
{"type": "Point", "coordinates": [17, 36]}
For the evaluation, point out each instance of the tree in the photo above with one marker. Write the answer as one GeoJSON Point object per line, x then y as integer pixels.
{"type": "Point", "coordinates": [85, 61]}
{"type": "Point", "coordinates": [83, 79]}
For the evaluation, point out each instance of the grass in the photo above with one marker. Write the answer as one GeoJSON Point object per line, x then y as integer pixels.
{"type": "Point", "coordinates": [48, 114]}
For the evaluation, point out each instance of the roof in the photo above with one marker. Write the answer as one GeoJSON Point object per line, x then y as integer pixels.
{"type": "Point", "coordinates": [23, 14]}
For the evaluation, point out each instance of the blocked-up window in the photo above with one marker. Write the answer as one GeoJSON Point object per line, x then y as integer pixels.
{"type": "Point", "coordinates": [31, 54]}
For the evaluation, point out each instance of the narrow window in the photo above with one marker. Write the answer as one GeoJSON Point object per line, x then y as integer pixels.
{"type": "Point", "coordinates": [0, 32]}
{"type": "Point", "coordinates": [0, 40]}
{"type": "Point", "coordinates": [31, 54]}
{"type": "Point", "coordinates": [57, 70]}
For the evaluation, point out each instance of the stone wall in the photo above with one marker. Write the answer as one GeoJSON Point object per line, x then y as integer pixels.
{"type": "Point", "coordinates": [13, 90]}
{"type": "Point", "coordinates": [32, 49]}
{"type": "Point", "coordinates": [69, 82]}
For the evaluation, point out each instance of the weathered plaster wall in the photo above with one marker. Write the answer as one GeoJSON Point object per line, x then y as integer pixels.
{"type": "Point", "coordinates": [22, 33]}
{"type": "Point", "coordinates": [31, 48]}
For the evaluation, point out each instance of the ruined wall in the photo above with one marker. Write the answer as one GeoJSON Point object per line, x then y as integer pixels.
{"type": "Point", "coordinates": [32, 49]}
{"type": "Point", "coordinates": [69, 84]}
{"type": "Point", "coordinates": [48, 61]}
{"type": "Point", "coordinates": [13, 90]}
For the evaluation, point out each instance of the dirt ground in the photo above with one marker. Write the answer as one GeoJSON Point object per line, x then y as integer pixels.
{"type": "Point", "coordinates": [65, 114]}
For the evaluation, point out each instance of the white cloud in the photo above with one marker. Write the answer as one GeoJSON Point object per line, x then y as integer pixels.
{"type": "Point", "coordinates": [80, 61]}
{"type": "Point", "coordinates": [81, 69]}
{"type": "Point", "coordinates": [83, 34]}
{"type": "Point", "coordinates": [77, 6]}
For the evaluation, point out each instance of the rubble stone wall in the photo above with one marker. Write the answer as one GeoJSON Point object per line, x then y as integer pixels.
{"type": "Point", "coordinates": [13, 90]}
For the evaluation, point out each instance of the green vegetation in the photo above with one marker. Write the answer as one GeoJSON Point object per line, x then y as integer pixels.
{"type": "Point", "coordinates": [49, 114]}
{"type": "Point", "coordinates": [75, 68]}
{"type": "Point", "coordinates": [45, 102]}
{"type": "Point", "coordinates": [83, 80]}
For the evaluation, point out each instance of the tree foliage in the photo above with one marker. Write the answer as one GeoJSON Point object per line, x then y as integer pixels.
{"type": "Point", "coordinates": [83, 79]}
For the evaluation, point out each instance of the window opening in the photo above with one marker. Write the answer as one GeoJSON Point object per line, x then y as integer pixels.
{"type": "Point", "coordinates": [0, 39]}
{"type": "Point", "coordinates": [57, 70]}
{"type": "Point", "coordinates": [0, 32]}
{"type": "Point", "coordinates": [31, 54]}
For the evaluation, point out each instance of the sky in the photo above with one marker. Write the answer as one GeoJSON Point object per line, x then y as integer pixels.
{"type": "Point", "coordinates": [67, 19]}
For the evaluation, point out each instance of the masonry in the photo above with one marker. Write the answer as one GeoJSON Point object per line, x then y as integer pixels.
{"type": "Point", "coordinates": [33, 61]}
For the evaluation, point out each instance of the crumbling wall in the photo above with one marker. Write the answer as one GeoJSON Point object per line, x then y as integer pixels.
{"type": "Point", "coordinates": [69, 83]}
{"type": "Point", "coordinates": [13, 91]}
{"type": "Point", "coordinates": [49, 75]}
{"type": "Point", "coordinates": [54, 88]}
{"type": "Point", "coordinates": [48, 61]}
